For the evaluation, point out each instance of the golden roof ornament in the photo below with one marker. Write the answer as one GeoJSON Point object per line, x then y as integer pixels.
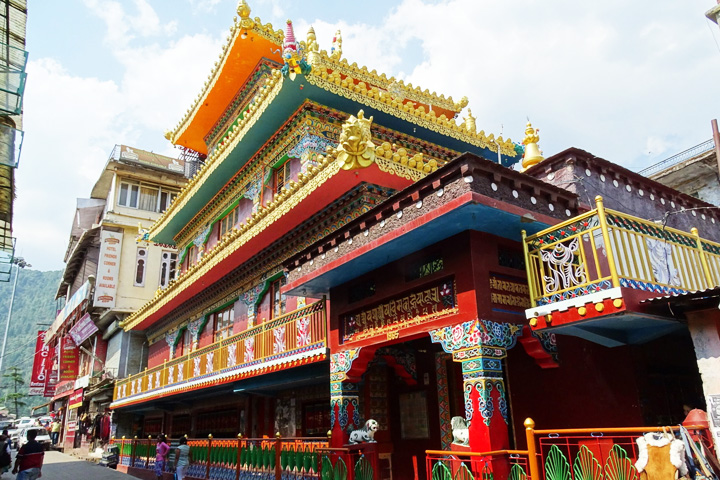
{"type": "Point", "coordinates": [243, 10]}
{"type": "Point", "coordinates": [313, 49]}
{"type": "Point", "coordinates": [356, 148]}
{"type": "Point", "coordinates": [470, 122]}
{"type": "Point", "coordinates": [336, 49]}
{"type": "Point", "coordinates": [532, 155]}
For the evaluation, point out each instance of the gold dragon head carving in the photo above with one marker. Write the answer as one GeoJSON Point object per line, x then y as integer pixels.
{"type": "Point", "coordinates": [356, 149]}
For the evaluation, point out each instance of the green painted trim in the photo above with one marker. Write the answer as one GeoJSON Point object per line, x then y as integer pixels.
{"type": "Point", "coordinates": [177, 340]}
{"type": "Point", "coordinates": [184, 253]}
{"type": "Point", "coordinates": [280, 162]}
{"type": "Point", "coordinates": [268, 281]}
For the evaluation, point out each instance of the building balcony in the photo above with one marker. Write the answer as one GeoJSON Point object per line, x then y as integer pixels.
{"type": "Point", "coordinates": [293, 339]}
{"type": "Point", "coordinates": [12, 78]}
{"type": "Point", "coordinates": [588, 276]}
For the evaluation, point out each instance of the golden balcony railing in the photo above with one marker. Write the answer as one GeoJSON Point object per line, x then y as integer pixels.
{"type": "Point", "coordinates": [603, 249]}
{"type": "Point", "coordinates": [295, 337]}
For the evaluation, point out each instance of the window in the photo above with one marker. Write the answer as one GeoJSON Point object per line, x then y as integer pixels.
{"type": "Point", "coordinates": [224, 322]}
{"type": "Point", "coordinates": [427, 266]}
{"type": "Point", "coordinates": [140, 266]}
{"type": "Point", "coordinates": [228, 222]}
{"type": "Point", "coordinates": [145, 197]}
{"type": "Point", "coordinates": [191, 256]}
{"type": "Point", "coordinates": [168, 263]}
{"type": "Point", "coordinates": [282, 176]}
{"type": "Point", "coordinates": [277, 299]}
{"type": "Point", "coordinates": [184, 346]}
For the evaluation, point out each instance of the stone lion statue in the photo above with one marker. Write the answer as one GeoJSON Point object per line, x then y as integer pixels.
{"type": "Point", "coordinates": [460, 430]}
{"type": "Point", "coordinates": [365, 434]}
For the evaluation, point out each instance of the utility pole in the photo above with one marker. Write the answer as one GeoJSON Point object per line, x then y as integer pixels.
{"type": "Point", "coordinates": [19, 263]}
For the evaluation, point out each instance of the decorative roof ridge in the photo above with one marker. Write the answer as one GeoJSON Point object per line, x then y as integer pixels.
{"type": "Point", "coordinates": [381, 80]}
{"type": "Point", "coordinates": [268, 92]}
{"type": "Point", "coordinates": [239, 28]}
{"type": "Point", "coordinates": [325, 75]}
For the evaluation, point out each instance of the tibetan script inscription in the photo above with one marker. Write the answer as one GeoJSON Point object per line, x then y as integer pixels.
{"type": "Point", "coordinates": [510, 293]}
{"type": "Point", "coordinates": [409, 309]}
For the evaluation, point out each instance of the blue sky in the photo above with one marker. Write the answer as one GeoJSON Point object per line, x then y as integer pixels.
{"type": "Point", "coordinates": [632, 82]}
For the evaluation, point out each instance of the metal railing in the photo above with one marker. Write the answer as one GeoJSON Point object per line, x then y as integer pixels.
{"type": "Point", "coordinates": [603, 249]}
{"type": "Point", "coordinates": [267, 458]}
{"type": "Point", "coordinates": [562, 454]}
{"type": "Point", "coordinates": [301, 330]}
{"type": "Point", "coordinates": [12, 78]}
{"type": "Point", "coordinates": [678, 158]}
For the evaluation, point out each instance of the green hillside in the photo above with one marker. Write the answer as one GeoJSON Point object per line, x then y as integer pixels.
{"type": "Point", "coordinates": [34, 305]}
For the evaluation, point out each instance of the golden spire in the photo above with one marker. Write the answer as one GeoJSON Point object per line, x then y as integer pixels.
{"type": "Point", "coordinates": [312, 45]}
{"type": "Point", "coordinates": [470, 122]}
{"type": "Point", "coordinates": [532, 155]}
{"type": "Point", "coordinates": [243, 10]}
{"type": "Point", "coordinates": [336, 49]}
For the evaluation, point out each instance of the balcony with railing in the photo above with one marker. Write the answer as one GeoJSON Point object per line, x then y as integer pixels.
{"type": "Point", "coordinates": [12, 78]}
{"type": "Point", "coordinates": [587, 275]}
{"type": "Point", "coordinates": [293, 339]}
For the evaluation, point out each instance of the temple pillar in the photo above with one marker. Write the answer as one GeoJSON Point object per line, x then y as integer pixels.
{"type": "Point", "coordinates": [480, 346]}
{"type": "Point", "coordinates": [346, 370]}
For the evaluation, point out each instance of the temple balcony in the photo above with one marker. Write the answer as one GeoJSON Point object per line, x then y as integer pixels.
{"type": "Point", "coordinates": [293, 339]}
{"type": "Point", "coordinates": [589, 275]}
{"type": "Point", "coordinates": [12, 79]}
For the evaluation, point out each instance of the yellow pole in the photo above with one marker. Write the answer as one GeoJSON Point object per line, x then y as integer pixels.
{"type": "Point", "coordinates": [532, 455]}
{"type": "Point", "coordinates": [606, 239]}
{"type": "Point", "coordinates": [703, 260]}
{"type": "Point", "coordinates": [528, 268]}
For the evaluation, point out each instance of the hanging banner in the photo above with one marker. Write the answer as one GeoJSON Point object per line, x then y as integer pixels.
{"type": "Point", "coordinates": [41, 366]}
{"type": "Point", "coordinates": [76, 399]}
{"type": "Point", "coordinates": [108, 269]}
{"type": "Point", "coordinates": [69, 359]}
{"type": "Point", "coordinates": [51, 384]}
{"type": "Point", "coordinates": [83, 329]}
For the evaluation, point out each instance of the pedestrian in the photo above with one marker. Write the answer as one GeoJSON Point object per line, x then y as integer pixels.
{"type": "Point", "coordinates": [5, 460]}
{"type": "Point", "coordinates": [162, 450]}
{"type": "Point", "coordinates": [55, 431]}
{"type": "Point", "coordinates": [183, 457]}
{"type": "Point", "coordinates": [29, 459]}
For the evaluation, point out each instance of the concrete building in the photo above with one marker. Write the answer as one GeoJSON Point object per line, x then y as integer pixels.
{"type": "Point", "coordinates": [110, 271]}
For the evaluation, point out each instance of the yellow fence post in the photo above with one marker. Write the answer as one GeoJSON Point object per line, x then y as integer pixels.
{"type": "Point", "coordinates": [529, 269]}
{"type": "Point", "coordinates": [703, 260]}
{"type": "Point", "coordinates": [532, 455]}
{"type": "Point", "coordinates": [606, 239]}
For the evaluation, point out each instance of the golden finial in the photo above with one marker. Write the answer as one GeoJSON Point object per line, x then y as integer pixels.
{"type": "Point", "coordinates": [312, 45]}
{"type": "Point", "coordinates": [356, 148]}
{"type": "Point", "coordinates": [243, 10]}
{"type": "Point", "coordinates": [470, 122]}
{"type": "Point", "coordinates": [336, 49]}
{"type": "Point", "coordinates": [532, 155]}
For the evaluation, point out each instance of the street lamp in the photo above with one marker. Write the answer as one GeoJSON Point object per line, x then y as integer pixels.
{"type": "Point", "coordinates": [19, 263]}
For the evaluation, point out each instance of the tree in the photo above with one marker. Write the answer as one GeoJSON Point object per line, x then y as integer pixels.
{"type": "Point", "coordinates": [15, 376]}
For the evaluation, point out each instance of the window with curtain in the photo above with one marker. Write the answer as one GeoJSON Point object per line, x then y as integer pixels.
{"type": "Point", "coordinates": [224, 322]}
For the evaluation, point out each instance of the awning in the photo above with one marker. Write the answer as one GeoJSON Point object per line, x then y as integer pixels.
{"type": "Point", "coordinates": [72, 305]}
{"type": "Point", "coordinates": [32, 410]}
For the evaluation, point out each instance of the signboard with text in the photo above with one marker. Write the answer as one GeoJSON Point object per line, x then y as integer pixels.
{"type": "Point", "coordinates": [83, 329]}
{"type": "Point", "coordinates": [69, 359]}
{"type": "Point", "coordinates": [108, 269]}
{"type": "Point", "coordinates": [41, 366]}
{"type": "Point", "coordinates": [76, 399]}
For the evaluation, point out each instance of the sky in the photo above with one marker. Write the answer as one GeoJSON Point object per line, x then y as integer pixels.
{"type": "Point", "coordinates": [631, 82]}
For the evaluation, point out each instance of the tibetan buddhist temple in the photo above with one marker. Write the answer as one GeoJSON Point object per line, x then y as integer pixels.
{"type": "Point", "coordinates": [367, 283]}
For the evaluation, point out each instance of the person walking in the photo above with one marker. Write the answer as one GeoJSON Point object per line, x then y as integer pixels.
{"type": "Point", "coordinates": [5, 460]}
{"type": "Point", "coordinates": [55, 431]}
{"type": "Point", "coordinates": [29, 459]}
{"type": "Point", "coordinates": [183, 457]}
{"type": "Point", "coordinates": [161, 454]}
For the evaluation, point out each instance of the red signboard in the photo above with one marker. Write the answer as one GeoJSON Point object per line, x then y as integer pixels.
{"type": "Point", "coordinates": [76, 399]}
{"type": "Point", "coordinates": [41, 366]}
{"type": "Point", "coordinates": [69, 359]}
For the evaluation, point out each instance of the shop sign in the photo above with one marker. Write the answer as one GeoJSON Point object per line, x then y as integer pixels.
{"type": "Point", "coordinates": [51, 384]}
{"type": "Point", "coordinates": [83, 329]}
{"type": "Point", "coordinates": [108, 269]}
{"type": "Point", "coordinates": [41, 366]}
{"type": "Point", "coordinates": [71, 426]}
{"type": "Point", "coordinates": [76, 399]}
{"type": "Point", "coordinates": [69, 359]}
{"type": "Point", "coordinates": [509, 292]}
{"type": "Point", "coordinates": [402, 311]}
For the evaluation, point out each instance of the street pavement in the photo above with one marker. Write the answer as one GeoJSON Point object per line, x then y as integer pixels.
{"type": "Point", "coordinates": [59, 466]}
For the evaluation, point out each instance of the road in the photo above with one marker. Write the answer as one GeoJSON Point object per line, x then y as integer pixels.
{"type": "Point", "coordinates": [59, 466]}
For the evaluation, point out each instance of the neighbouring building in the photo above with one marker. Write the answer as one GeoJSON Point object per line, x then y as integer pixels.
{"type": "Point", "coordinates": [350, 251]}
{"type": "Point", "coordinates": [13, 59]}
{"type": "Point", "coordinates": [110, 272]}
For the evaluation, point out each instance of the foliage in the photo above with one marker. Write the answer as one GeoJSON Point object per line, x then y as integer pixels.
{"type": "Point", "coordinates": [34, 309]}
